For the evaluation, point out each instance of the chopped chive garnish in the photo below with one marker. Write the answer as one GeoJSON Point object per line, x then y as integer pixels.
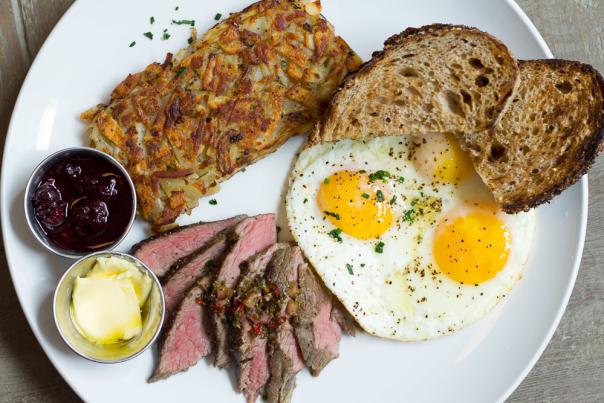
{"type": "Point", "coordinates": [213, 202]}
{"type": "Point", "coordinates": [180, 71]}
{"type": "Point", "coordinates": [393, 200]}
{"type": "Point", "coordinates": [151, 20]}
{"type": "Point", "coordinates": [401, 179]}
{"type": "Point", "coordinates": [148, 35]}
{"type": "Point", "coordinates": [217, 17]}
{"type": "Point", "coordinates": [379, 248]}
{"type": "Point", "coordinates": [408, 216]}
{"type": "Point", "coordinates": [335, 234]}
{"type": "Point", "coordinates": [305, 201]}
{"type": "Point", "coordinates": [184, 22]}
{"type": "Point", "coordinates": [326, 181]}
{"type": "Point", "coordinates": [413, 202]}
{"type": "Point", "coordinates": [334, 215]}
{"type": "Point", "coordinates": [165, 36]}
{"type": "Point", "coordinates": [365, 196]}
{"type": "Point", "coordinates": [132, 44]}
{"type": "Point", "coordinates": [382, 175]}
{"type": "Point", "coordinates": [349, 268]}
{"type": "Point", "coordinates": [379, 196]}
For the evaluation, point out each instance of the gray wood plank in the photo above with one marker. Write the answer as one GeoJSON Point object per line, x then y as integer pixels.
{"type": "Point", "coordinates": [571, 368]}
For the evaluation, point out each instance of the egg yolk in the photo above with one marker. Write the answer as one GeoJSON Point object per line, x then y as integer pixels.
{"type": "Point", "coordinates": [473, 248]}
{"type": "Point", "coordinates": [352, 204]}
{"type": "Point", "coordinates": [440, 158]}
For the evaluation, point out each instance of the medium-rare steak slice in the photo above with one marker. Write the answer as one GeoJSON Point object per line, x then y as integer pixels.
{"type": "Point", "coordinates": [186, 340]}
{"type": "Point", "coordinates": [161, 252]}
{"type": "Point", "coordinates": [252, 235]}
{"type": "Point", "coordinates": [315, 324]}
{"type": "Point", "coordinates": [248, 341]}
{"type": "Point", "coordinates": [182, 277]}
{"type": "Point", "coordinates": [285, 356]}
{"type": "Point", "coordinates": [342, 317]}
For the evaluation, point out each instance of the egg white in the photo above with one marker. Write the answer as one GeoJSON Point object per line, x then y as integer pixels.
{"type": "Point", "coordinates": [400, 293]}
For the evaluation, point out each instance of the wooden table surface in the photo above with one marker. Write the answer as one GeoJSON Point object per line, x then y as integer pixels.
{"type": "Point", "coordinates": [572, 366]}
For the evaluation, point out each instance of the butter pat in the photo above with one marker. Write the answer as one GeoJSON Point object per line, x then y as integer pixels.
{"type": "Point", "coordinates": [106, 303]}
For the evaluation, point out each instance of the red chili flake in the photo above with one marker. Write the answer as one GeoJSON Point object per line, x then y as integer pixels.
{"type": "Point", "coordinates": [199, 301]}
{"type": "Point", "coordinates": [275, 290]}
{"type": "Point", "coordinates": [276, 323]}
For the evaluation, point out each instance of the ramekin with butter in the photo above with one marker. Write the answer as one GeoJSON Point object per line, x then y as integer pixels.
{"type": "Point", "coordinates": [108, 307]}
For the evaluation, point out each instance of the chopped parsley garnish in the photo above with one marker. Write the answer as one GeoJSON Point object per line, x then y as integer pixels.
{"type": "Point", "coordinates": [365, 196]}
{"type": "Point", "coordinates": [148, 35]}
{"type": "Point", "coordinates": [132, 44]}
{"type": "Point", "coordinates": [413, 202]}
{"type": "Point", "coordinates": [213, 202]}
{"type": "Point", "coordinates": [184, 22]}
{"type": "Point", "coordinates": [401, 179]}
{"type": "Point", "coordinates": [379, 248]}
{"type": "Point", "coordinates": [305, 201]}
{"type": "Point", "coordinates": [217, 17]}
{"type": "Point", "coordinates": [180, 71]}
{"type": "Point", "coordinates": [409, 216]}
{"type": "Point", "coordinates": [393, 200]}
{"type": "Point", "coordinates": [326, 181]}
{"type": "Point", "coordinates": [165, 36]}
{"type": "Point", "coordinates": [151, 20]}
{"type": "Point", "coordinates": [349, 268]}
{"type": "Point", "coordinates": [335, 234]}
{"type": "Point", "coordinates": [379, 175]}
{"type": "Point", "coordinates": [334, 215]}
{"type": "Point", "coordinates": [379, 196]}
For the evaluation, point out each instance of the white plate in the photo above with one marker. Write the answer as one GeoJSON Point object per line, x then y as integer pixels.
{"type": "Point", "coordinates": [87, 54]}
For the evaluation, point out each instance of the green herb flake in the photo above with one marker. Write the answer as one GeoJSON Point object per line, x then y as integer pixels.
{"type": "Point", "coordinates": [151, 20]}
{"type": "Point", "coordinates": [176, 8]}
{"type": "Point", "coordinates": [132, 44]}
{"type": "Point", "coordinates": [365, 196]}
{"type": "Point", "coordinates": [393, 200]}
{"type": "Point", "coordinates": [217, 17]}
{"type": "Point", "coordinates": [409, 216]}
{"type": "Point", "coordinates": [180, 71]}
{"type": "Point", "coordinates": [379, 196]}
{"type": "Point", "coordinates": [334, 215]}
{"type": "Point", "coordinates": [305, 201]}
{"type": "Point", "coordinates": [190, 40]}
{"type": "Point", "coordinates": [379, 248]}
{"type": "Point", "coordinates": [379, 175]}
{"type": "Point", "coordinates": [165, 36]}
{"type": "Point", "coordinates": [148, 35]}
{"type": "Point", "coordinates": [184, 22]}
{"type": "Point", "coordinates": [213, 202]}
{"type": "Point", "coordinates": [335, 234]}
{"type": "Point", "coordinates": [349, 268]}
{"type": "Point", "coordinates": [326, 181]}
{"type": "Point", "coordinates": [401, 179]}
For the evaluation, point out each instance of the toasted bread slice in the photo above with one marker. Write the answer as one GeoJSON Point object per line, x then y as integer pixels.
{"type": "Point", "coordinates": [438, 78]}
{"type": "Point", "coordinates": [546, 139]}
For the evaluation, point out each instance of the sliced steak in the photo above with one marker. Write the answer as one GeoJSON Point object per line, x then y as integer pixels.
{"type": "Point", "coordinates": [186, 339]}
{"type": "Point", "coordinates": [342, 317]}
{"type": "Point", "coordinates": [252, 235]}
{"type": "Point", "coordinates": [285, 359]}
{"type": "Point", "coordinates": [317, 330]}
{"type": "Point", "coordinates": [248, 342]}
{"type": "Point", "coordinates": [182, 276]}
{"type": "Point", "coordinates": [160, 252]}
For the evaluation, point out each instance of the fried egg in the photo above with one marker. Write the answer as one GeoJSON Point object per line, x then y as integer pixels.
{"type": "Point", "coordinates": [403, 231]}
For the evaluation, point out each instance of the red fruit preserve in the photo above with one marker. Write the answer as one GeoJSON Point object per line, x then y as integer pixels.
{"type": "Point", "coordinates": [83, 203]}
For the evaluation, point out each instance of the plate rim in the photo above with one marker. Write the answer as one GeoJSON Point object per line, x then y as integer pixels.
{"type": "Point", "coordinates": [584, 190]}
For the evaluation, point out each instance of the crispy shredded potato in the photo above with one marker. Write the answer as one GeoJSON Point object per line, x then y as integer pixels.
{"type": "Point", "coordinates": [231, 97]}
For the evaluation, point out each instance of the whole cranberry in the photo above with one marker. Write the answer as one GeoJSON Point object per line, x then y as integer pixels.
{"type": "Point", "coordinates": [46, 194]}
{"type": "Point", "coordinates": [108, 186]}
{"type": "Point", "coordinates": [52, 215]}
{"type": "Point", "coordinates": [73, 170]}
{"type": "Point", "coordinates": [90, 216]}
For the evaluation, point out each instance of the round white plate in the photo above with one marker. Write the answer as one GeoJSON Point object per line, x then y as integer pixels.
{"type": "Point", "coordinates": [87, 54]}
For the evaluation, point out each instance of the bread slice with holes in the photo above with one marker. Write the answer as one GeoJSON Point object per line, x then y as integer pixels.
{"type": "Point", "coordinates": [546, 139]}
{"type": "Point", "coordinates": [438, 78]}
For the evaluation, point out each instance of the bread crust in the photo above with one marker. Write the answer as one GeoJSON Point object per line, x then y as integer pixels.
{"type": "Point", "coordinates": [391, 44]}
{"type": "Point", "coordinates": [583, 159]}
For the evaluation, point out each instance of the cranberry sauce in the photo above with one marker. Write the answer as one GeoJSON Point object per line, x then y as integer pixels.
{"type": "Point", "coordinates": [83, 203]}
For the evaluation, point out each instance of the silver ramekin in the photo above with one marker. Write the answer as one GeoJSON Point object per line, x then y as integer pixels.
{"type": "Point", "coordinates": [34, 181]}
{"type": "Point", "coordinates": [153, 312]}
